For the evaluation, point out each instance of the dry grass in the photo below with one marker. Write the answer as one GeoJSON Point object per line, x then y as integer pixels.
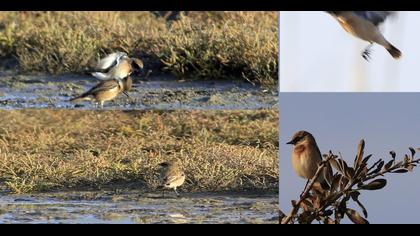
{"type": "Point", "coordinates": [202, 44]}
{"type": "Point", "coordinates": [44, 150]}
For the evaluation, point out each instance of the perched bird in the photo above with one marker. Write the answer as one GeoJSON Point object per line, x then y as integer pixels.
{"type": "Point", "coordinates": [364, 25]}
{"type": "Point", "coordinates": [116, 65]}
{"type": "Point", "coordinates": [306, 158]}
{"type": "Point", "coordinates": [104, 91]}
{"type": "Point", "coordinates": [171, 175]}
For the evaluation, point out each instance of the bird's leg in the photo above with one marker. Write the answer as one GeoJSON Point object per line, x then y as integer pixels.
{"type": "Point", "coordinates": [126, 94]}
{"type": "Point", "coordinates": [177, 194]}
{"type": "Point", "coordinates": [366, 52]}
{"type": "Point", "coordinates": [102, 104]}
{"type": "Point", "coordinates": [163, 192]}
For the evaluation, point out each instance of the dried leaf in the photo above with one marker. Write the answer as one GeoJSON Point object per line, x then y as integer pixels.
{"type": "Point", "coordinates": [389, 164]}
{"type": "Point", "coordinates": [355, 217]}
{"type": "Point", "coordinates": [306, 205]}
{"type": "Point", "coordinates": [411, 167]}
{"type": "Point", "coordinates": [413, 152]}
{"type": "Point", "coordinates": [361, 172]}
{"type": "Point", "coordinates": [366, 159]}
{"type": "Point", "coordinates": [336, 181]}
{"type": "Point", "coordinates": [329, 221]}
{"type": "Point", "coordinates": [398, 164]}
{"type": "Point", "coordinates": [393, 154]}
{"type": "Point", "coordinates": [378, 167]}
{"type": "Point", "coordinates": [359, 156]}
{"type": "Point", "coordinates": [343, 183]}
{"type": "Point", "coordinates": [400, 171]}
{"type": "Point", "coordinates": [341, 209]}
{"type": "Point", "coordinates": [375, 184]}
{"type": "Point", "coordinates": [335, 165]}
{"type": "Point", "coordinates": [306, 217]}
{"type": "Point", "coordinates": [343, 166]}
{"type": "Point", "coordinates": [349, 173]}
{"type": "Point", "coordinates": [355, 196]}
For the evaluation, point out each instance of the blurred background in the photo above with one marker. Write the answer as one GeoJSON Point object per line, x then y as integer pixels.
{"type": "Point", "coordinates": [317, 55]}
{"type": "Point", "coordinates": [338, 122]}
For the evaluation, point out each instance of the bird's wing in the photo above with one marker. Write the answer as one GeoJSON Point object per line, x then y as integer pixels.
{"type": "Point", "coordinates": [104, 86]}
{"type": "Point", "coordinates": [109, 61]}
{"type": "Point", "coordinates": [376, 17]}
{"type": "Point", "coordinates": [172, 178]}
{"type": "Point", "coordinates": [100, 75]}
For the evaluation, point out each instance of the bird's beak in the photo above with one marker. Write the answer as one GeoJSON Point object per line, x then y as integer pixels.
{"type": "Point", "coordinates": [291, 142]}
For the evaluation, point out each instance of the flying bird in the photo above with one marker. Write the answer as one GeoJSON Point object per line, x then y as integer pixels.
{"type": "Point", "coordinates": [365, 25]}
{"type": "Point", "coordinates": [116, 65]}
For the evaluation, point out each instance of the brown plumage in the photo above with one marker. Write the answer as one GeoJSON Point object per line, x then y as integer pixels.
{"type": "Point", "coordinates": [116, 66]}
{"type": "Point", "coordinates": [171, 174]}
{"type": "Point", "coordinates": [364, 25]}
{"type": "Point", "coordinates": [306, 158]}
{"type": "Point", "coordinates": [104, 91]}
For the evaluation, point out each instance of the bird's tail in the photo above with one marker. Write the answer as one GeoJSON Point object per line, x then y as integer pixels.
{"type": "Point", "coordinates": [80, 98]}
{"type": "Point", "coordinates": [395, 53]}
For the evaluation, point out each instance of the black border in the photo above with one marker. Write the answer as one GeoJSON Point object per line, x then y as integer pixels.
{"type": "Point", "coordinates": [201, 5]}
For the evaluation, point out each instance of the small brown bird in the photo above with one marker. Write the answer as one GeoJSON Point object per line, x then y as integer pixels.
{"type": "Point", "coordinates": [364, 25]}
{"type": "Point", "coordinates": [306, 158]}
{"type": "Point", "coordinates": [116, 68]}
{"type": "Point", "coordinates": [171, 175]}
{"type": "Point", "coordinates": [104, 91]}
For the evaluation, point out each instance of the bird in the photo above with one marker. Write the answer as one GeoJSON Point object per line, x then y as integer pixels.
{"type": "Point", "coordinates": [171, 175]}
{"type": "Point", "coordinates": [365, 25]}
{"type": "Point", "coordinates": [116, 65]}
{"type": "Point", "coordinates": [306, 158]}
{"type": "Point", "coordinates": [104, 91]}
{"type": "Point", "coordinates": [115, 72]}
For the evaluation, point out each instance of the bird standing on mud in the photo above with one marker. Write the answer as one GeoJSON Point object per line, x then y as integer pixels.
{"type": "Point", "coordinates": [115, 69]}
{"type": "Point", "coordinates": [171, 175]}
{"type": "Point", "coordinates": [306, 158]}
{"type": "Point", "coordinates": [102, 92]}
{"type": "Point", "coordinates": [364, 25]}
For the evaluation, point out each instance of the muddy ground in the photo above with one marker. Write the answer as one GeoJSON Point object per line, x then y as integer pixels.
{"type": "Point", "coordinates": [156, 92]}
{"type": "Point", "coordinates": [136, 208]}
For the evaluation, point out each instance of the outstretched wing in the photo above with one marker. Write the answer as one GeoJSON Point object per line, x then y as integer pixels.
{"type": "Point", "coordinates": [106, 63]}
{"type": "Point", "coordinates": [376, 17]}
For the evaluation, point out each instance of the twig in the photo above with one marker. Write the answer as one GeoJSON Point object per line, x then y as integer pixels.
{"type": "Point", "coordinates": [348, 188]}
{"type": "Point", "coordinates": [296, 207]}
{"type": "Point", "coordinates": [381, 173]}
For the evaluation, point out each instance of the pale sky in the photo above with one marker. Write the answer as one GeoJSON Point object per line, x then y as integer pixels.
{"type": "Point", "coordinates": [387, 121]}
{"type": "Point", "coordinates": [317, 55]}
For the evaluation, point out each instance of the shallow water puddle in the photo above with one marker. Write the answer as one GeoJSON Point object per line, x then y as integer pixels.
{"type": "Point", "coordinates": [132, 208]}
{"type": "Point", "coordinates": [155, 93]}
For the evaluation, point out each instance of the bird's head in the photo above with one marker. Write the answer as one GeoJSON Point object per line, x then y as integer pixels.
{"type": "Point", "coordinates": [300, 137]}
